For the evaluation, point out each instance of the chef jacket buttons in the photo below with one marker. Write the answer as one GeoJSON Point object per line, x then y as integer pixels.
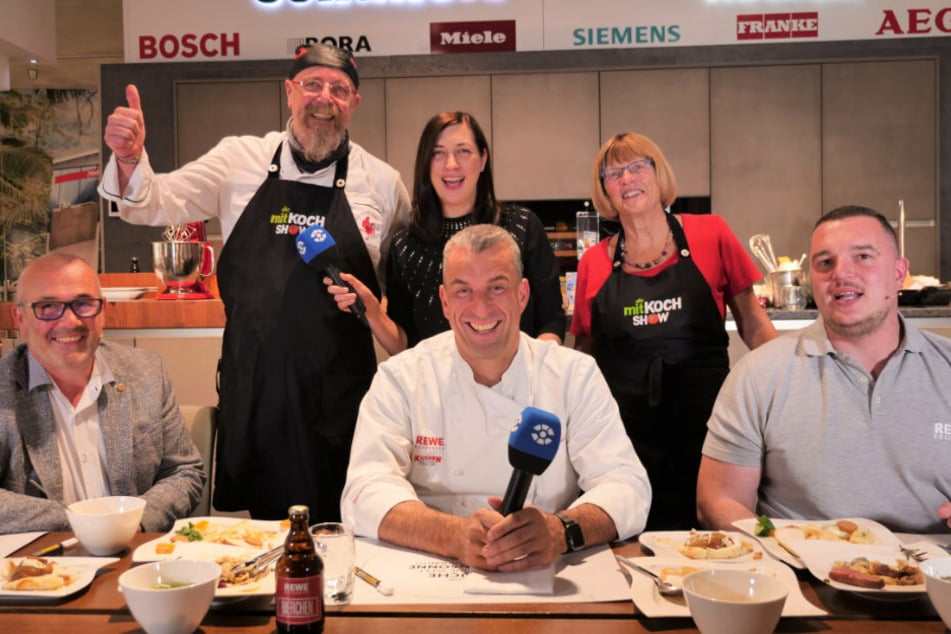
{"type": "Point", "coordinates": [340, 183]}
{"type": "Point", "coordinates": [685, 253]}
{"type": "Point", "coordinates": [272, 168]}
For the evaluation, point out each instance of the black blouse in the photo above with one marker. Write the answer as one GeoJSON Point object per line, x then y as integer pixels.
{"type": "Point", "coordinates": [414, 273]}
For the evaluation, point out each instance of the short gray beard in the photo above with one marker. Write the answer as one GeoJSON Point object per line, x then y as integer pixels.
{"type": "Point", "coordinates": [321, 145]}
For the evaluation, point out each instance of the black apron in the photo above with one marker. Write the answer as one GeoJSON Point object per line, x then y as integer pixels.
{"type": "Point", "coordinates": [662, 346]}
{"type": "Point", "coordinates": [293, 366]}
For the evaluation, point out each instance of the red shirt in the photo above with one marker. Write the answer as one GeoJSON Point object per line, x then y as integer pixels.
{"type": "Point", "coordinates": [715, 249]}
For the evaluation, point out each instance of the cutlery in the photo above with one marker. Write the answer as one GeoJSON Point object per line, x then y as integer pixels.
{"type": "Point", "coordinates": [762, 248]}
{"type": "Point", "coordinates": [665, 588]}
{"type": "Point", "coordinates": [913, 553]}
{"type": "Point", "coordinates": [259, 562]}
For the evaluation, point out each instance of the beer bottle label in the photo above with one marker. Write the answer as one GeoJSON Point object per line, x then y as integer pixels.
{"type": "Point", "coordinates": [299, 600]}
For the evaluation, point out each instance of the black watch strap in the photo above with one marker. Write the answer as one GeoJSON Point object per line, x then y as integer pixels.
{"type": "Point", "coordinates": [574, 539]}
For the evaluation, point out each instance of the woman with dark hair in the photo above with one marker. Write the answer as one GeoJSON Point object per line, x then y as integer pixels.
{"type": "Point", "coordinates": [452, 190]}
{"type": "Point", "coordinates": [650, 304]}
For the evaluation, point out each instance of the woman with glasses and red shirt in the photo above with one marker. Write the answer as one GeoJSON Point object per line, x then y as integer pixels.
{"type": "Point", "coordinates": [650, 306]}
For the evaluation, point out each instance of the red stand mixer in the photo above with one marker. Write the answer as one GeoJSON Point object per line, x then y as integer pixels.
{"type": "Point", "coordinates": [182, 262]}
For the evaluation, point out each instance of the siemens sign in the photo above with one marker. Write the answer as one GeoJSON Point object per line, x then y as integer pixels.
{"type": "Point", "coordinates": [627, 35]}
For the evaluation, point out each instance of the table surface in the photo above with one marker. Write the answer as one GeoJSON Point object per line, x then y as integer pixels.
{"type": "Point", "coordinates": [101, 608]}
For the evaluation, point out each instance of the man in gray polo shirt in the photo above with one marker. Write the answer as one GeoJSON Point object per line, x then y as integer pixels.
{"type": "Point", "coordinates": [849, 417]}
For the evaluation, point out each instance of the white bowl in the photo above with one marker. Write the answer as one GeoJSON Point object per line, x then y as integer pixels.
{"type": "Point", "coordinates": [734, 601]}
{"type": "Point", "coordinates": [938, 584]}
{"type": "Point", "coordinates": [105, 526]}
{"type": "Point", "coordinates": [170, 610]}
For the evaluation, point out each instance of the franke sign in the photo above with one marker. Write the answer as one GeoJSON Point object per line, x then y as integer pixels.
{"type": "Point", "coordinates": [472, 37]}
{"type": "Point", "coordinates": [186, 30]}
{"type": "Point", "coordinates": [777, 26]}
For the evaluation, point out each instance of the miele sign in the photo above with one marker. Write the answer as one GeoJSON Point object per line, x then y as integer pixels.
{"type": "Point", "coordinates": [472, 37]}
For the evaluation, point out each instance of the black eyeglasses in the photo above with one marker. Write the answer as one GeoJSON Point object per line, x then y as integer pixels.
{"type": "Point", "coordinates": [82, 307]}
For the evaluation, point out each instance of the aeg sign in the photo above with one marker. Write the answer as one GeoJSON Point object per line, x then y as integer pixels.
{"type": "Point", "coordinates": [472, 37]}
{"type": "Point", "coordinates": [189, 45]}
{"type": "Point", "coordinates": [775, 26]}
{"type": "Point", "coordinates": [915, 22]}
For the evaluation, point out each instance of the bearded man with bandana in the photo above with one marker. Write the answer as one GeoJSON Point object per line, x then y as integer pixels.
{"type": "Point", "coordinates": [293, 367]}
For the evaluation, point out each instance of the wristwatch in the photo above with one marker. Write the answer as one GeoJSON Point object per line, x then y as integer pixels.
{"type": "Point", "coordinates": [573, 537]}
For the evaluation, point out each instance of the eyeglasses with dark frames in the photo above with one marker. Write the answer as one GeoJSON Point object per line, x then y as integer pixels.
{"type": "Point", "coordinates": [82, 307]}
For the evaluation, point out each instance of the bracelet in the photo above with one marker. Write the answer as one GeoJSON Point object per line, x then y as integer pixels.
{"type": "Point", "coordinates": [128, 161]}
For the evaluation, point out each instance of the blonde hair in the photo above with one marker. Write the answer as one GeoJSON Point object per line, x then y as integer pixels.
{"type": "Point", "coordinates": [624, 148]}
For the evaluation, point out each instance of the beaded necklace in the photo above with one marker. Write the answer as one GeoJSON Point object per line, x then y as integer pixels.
{"type": "Point", "coordinates": [641, 266]}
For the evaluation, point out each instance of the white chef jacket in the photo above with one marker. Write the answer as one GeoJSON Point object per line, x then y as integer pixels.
{"type": "Point", "coordinates": [427, 431]}
{"type": "Point", "coordinates": [220, 184]}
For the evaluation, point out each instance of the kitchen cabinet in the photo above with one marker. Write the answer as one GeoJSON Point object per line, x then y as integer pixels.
{"type": "Point", "coordinates": [879, 146]}
{"type": "Point", "coordinates": [765, 150]}
{"type": "Point", "coordinates": [672, 107]}
{"type": "Point", "coordinates": [545, 134]}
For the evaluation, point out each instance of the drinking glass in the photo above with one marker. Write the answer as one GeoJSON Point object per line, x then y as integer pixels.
{"type": "Point", "coordinates": [334, 543]}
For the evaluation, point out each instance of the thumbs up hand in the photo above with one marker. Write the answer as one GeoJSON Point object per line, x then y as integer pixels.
{"type": "Point", "coordinates": [125, 129]}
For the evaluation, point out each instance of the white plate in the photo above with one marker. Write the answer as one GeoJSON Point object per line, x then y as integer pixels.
{"type": "Point", "coordinates": [820, 556]}
{"type": "Point", "coordinates": [205, 551]}
{"type": "Point", "coordinates": [651, 604]}
{"type": "Point", "coordinates": [146, 551]}
{"type": "Point", "coordinates": [786, 550]}
{"type": "Point", "coordinates": [82, 568]}
{"type": "Point", "coordinates": [119, 293]}
{"type": "Point", "coordinates": [666, 544]}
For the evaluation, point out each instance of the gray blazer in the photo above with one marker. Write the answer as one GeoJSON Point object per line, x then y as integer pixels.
{"type": "Point", "coordinates": [149, 452]}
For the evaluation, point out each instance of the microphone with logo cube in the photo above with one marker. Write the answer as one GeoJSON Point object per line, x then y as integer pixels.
{"type": "Point", "coordinates": [533, 444]}
{"type": "Point", "coordinates": [318, 249]}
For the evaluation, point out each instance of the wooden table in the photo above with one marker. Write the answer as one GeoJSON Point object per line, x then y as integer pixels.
{"type": "Point", "coordinates": [100, 608]}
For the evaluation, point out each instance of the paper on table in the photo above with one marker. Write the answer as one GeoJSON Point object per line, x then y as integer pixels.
{"type": "Point", "coordinates": [592, 574]}
{"type": "Point", "coordinates": [16, 541]}
{"type": "Point", "coordinates": [537, 582]}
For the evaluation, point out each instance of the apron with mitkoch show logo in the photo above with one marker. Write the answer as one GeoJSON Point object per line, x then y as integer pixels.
{"type": "Point", "coordinates": [294, 367]}
{"type": "Point", "coordinates": [662, 346]}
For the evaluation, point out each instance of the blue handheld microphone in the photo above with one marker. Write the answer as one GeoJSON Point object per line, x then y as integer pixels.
{"type": "Point", "coordinates": [315, 241]}
{"type": "Point", "coordinates": [533, 444]}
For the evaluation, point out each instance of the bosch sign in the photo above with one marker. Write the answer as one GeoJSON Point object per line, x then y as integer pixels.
{"type": "Point", "coordinates": [190, 45]}
{"type": "Point", "coordinates": [775, 26]}
{"type": "Point", "coordinates": [472, 37]}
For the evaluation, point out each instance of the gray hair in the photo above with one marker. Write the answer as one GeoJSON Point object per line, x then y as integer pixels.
{"type": "Point", "coordinates": [480, 238]}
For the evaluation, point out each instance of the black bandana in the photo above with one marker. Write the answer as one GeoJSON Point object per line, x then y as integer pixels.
{"type": "Point", "coordinates": [310, 167]}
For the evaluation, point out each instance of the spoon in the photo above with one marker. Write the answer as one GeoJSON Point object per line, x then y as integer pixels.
{"type": "Point", "coordinates": [663, 587]}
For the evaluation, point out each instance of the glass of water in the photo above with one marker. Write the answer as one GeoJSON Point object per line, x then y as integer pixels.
{"type": "Point", "coordinates": [334, 543]}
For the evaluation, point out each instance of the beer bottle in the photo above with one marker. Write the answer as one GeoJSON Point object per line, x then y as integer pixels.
{"type": "Point", "coordinates": [299, 598]}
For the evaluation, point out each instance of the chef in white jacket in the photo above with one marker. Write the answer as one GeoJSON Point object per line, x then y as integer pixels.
{"type": "Point", "coordinates": [430, 451]}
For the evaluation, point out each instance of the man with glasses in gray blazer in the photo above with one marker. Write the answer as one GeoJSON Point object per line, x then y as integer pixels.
{"type": "Point", "coordinates": [82, 418]}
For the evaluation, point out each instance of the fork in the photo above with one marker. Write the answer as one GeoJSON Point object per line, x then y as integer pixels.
{"type": "Point", "coordinates": [912, 553]}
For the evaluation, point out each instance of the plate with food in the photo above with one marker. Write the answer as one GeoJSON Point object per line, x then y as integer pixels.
{"type": "Point", "coordinates": [726, 546]}
{"type": "Point", "coordinates": [780, 536]}
{"type": "Point", "coordinates": [47, 577]}
{"type": "Point", "coordinates": [652, 604]}
{"type": "Point", "coordinates": [883, 571]}
{"type": "Point", "coordinates": [240, 534]}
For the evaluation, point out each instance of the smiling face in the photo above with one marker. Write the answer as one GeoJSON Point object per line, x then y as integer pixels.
{"type": "Point", "coordinates": [455, 168]}
{"type": "Point", "coordinates": [633, 194]}
{"type": "Point", "coordinates": [66, 347]}
{"type": "Point", "coordinates": [320, 121]}
{"type": "Point", "coordinates": [483, 297]}
{"type": "Point", "coordinates": [856, 275]}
